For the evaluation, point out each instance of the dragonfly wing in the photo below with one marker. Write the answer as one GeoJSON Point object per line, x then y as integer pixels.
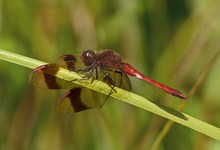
{"type": "Point", "coordinates": [125, 82]}
{"type": "Point", "coordinates": [117, 79]}
{"type": "Point", "coordinates": [79, 99]}
{"type": "Point", "coordinates": [70, 62]}
{"type": "Point", "coordinates": [45, 77]}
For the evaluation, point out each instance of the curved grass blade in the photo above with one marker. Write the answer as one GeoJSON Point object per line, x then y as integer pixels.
{"type": "Point", "coordinates": [201, 78]}
{"type": "Point", "coordinates": [122, 95]}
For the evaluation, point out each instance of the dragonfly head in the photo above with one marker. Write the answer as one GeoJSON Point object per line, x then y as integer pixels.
{"type": "Point", "coordinates": [88, 57]}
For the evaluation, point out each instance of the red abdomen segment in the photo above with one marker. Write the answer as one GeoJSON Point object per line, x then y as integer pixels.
{"type": "Point", "coordinates": [128, 69]}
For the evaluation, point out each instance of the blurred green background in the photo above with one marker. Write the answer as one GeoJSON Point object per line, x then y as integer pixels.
{"type": "Point", "coordinates": [170, 41]}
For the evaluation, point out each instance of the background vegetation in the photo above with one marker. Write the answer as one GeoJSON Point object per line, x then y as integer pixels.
{"type": "Point", "coordinates": [170, 41]}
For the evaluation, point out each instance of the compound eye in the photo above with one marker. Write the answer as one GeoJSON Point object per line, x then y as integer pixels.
{"type": "Point", "coordinates": [88, 57]}
{"type": "Point", "coordinates": [90, 54]}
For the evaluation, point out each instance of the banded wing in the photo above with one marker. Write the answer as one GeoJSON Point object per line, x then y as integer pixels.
{"type": "Point", "coordinates": [73, 62]}
{"type": "Point", "coordinates": [45, 77]}
{"type": "Point", "coordinates": [81, 98]}
{"type": "Point", "coordinates": [78, 98]}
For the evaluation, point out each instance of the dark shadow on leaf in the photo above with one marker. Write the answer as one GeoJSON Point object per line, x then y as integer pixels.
{"type": "Point", "coordinates": [171, 111]}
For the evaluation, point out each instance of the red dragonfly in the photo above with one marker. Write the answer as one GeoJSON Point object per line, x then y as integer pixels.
{"type": "Point", "coordinates": [106, 66]}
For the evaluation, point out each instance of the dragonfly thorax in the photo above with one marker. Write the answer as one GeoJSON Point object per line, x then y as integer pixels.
{"type": "Point", "coordinates": [109, 60]}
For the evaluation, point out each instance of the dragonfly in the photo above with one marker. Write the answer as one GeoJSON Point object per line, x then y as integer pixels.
{"type": "Point", "coordinates": [105, 65]}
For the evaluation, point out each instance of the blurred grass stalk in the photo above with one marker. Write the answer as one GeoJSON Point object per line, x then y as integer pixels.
{"type": "Point", "coordinates": [197, 84]}
{"type": "Point", "coordinates": [122, 95]}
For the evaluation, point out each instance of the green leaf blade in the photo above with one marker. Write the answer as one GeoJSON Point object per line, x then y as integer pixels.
{"type": "Point", "coordinates": [128, 97]}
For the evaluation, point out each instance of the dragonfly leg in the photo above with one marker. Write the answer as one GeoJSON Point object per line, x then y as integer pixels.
{"type": "Point", "coordinates": [109, 80]}
{"type": "Point", "coordinates": [88, 70]}
{"type": "Point", "coordinates": [96, 74]}
{"type": "Point", "coordinates": [112, 90]}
